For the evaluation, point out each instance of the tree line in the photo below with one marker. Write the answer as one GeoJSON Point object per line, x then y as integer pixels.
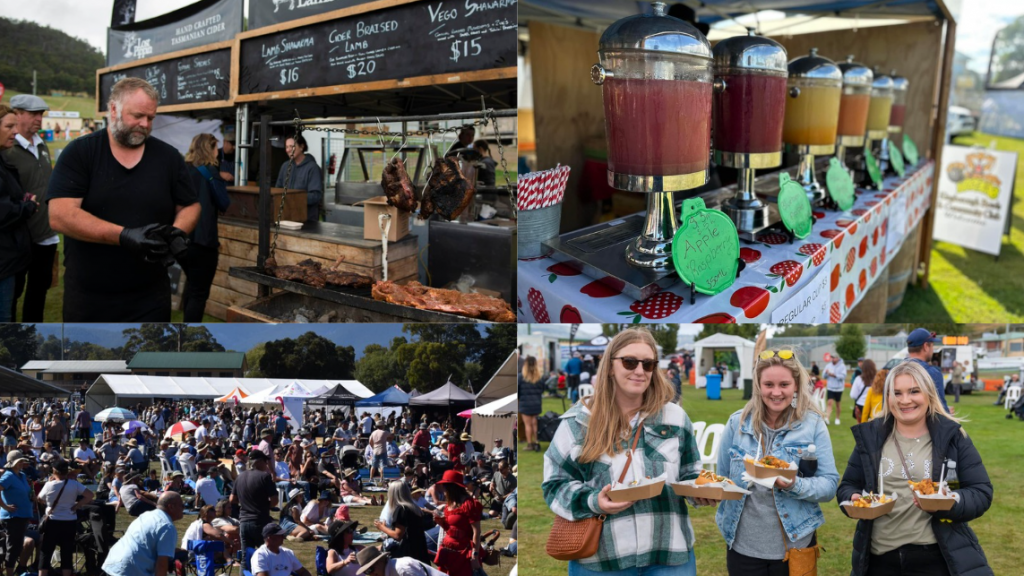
{"type": "Point", "coordinates": [61, 62]}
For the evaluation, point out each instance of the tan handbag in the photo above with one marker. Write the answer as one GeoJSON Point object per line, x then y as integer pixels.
{"type": "Point", "coordinates": [802, 561]}
{"type": "Point", "coordinates": [573, 540]}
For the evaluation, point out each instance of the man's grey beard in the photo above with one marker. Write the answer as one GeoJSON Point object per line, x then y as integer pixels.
{"type": "Point", "coordinates": [127, 137]}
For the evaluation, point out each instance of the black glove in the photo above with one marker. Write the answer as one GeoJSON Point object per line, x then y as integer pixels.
{"type": "Point", "coordinates": [145, 244]}
{"type": "Point", "coordinates": [177, 242]}
{"type": "Point", "coordinates": [28, 209]}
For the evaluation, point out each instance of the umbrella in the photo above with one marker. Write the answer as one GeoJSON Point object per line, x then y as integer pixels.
{"type": "Point", "coordinates": [115, 414]}
{"type": "Point", "coordinates": [131, 427]}
{"type": "Point", "coordinates": [10, 411]}
{"type": "Point", "coordinates": [179, 429]}
{"type": "Point", "coordinates": [466, 413]}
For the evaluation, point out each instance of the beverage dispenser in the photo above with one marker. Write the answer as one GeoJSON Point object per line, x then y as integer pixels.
{"type": "Point", "coordinates": [812, 115]}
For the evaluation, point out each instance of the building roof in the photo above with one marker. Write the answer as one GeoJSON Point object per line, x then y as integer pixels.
{"type": "Point", "coordinates": [134, 386]}
{"type": "Point", "coordinates": [98, 366]}
{"type": "Point", "coordinates": [191, 360]}
{"type": "Point", "coordinates": [1000, 337]}
{"type": "Point", "coordinates": [17, 385]}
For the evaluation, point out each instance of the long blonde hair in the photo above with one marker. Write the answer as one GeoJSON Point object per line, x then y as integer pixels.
{"type": "Point", "coordinates": [531, 370]}
{"type": "Point", "coordinates": [608, 425]}
{"type": "Point", "coordinates": [924, 382]}
{"type": "Point", "coordinates": [755, 409]}
{"type": "Point", "coordinates": [202, 151]}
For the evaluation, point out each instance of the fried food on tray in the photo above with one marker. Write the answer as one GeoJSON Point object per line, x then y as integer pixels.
{"type": "Point", "coordinates": [709, 477]}
{"type": "Point", "coordinates": [773, 462]}
{"type": "Point", "coordinates": [872, 498]}
{"type": "Point", "coordinates": [924, 487]}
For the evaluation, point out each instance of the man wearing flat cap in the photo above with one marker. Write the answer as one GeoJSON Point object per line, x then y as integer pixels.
{"type": "Point", "coordinates": [31, 158]}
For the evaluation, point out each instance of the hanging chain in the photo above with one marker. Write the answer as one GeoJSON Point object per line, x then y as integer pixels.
{"type": "Point", "coordinates": [504, 164]}
{"type": "Point", "coordinates": [376, 133]}
{"type": "Point", "coordinates": [284, 196]}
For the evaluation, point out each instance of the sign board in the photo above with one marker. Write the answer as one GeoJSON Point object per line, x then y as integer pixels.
{"type": "Point", "coordinates": [196, 78]}
{"type": "Point", "coordinates": [705, 248]}
{"type": "Point", "coordinates": [810, 304]}
{"type": "Point", "coordinates": [391, 43]}
{"type": "Point", "coordinates": [62, 114]}
{"type": "Point", "coordinates": [897, 225]}
{"type": "Point", "coordinates": [269, 12]}
{"type": "Point", "coordinates": [216, 22]}
{"type": "Point", "coordinates": [975, 189]}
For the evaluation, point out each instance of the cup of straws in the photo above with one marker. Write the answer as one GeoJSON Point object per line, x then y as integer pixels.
{"type": "Point", "coordinates": [539, 200]}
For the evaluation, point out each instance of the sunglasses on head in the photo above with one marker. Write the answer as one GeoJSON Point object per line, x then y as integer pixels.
{"type": "Point", "coordinates": [769, 354]}
{"type": "Point", "coordinates": [630, 363]}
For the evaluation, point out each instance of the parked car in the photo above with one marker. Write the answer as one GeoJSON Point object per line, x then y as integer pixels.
{"type": "Point", "coordinates": [959, 121]}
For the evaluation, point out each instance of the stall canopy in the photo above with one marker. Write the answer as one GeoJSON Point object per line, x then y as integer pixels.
{"type": "Point", "coordinates": [234, 396]}
{"type": "Point", "coordinates": [305, 389]}
{"type": "Point", "coordinates": [506, 406]}
{"type": "Point", "coordinates": [595, 346]}
{"type": "Point", "coordinates": [339, 395]}
{"type": "Point", "coordinates": [447, 395]}
{"type": "Point", "coordinates": [17, 385]}
{"type": "Point", "coordinates": [503, 383]}
{"type": "Point", "coordinates": [112, 389]}
{"type": "Point", "coordinates": [495, 420]}
{"type": "Point", "coordinates": [704, 354]}
{"type": "Point", "coordinates": [391, 397]}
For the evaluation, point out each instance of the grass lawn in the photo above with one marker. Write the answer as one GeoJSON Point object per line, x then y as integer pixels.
{"type": "Point", "coordinates": [306, 551]}
{"type": "Point", "coordinates": [968, 286]}
{"type": "Point", "coordinates": [999, 530]}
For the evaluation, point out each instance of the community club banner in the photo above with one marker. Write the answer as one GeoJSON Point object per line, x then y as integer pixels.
{"type": "Point", "coordinates": [975, 189]}
{"type": "Point", "coordinates": [199, 24]}
{"type": "Point", "coordinates": [268, 12]}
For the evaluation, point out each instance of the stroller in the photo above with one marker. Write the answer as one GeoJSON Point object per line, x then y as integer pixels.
{"type": "Point", "coordinates": [1017, 409]}
{"type": "Point", "coordinates": [351, 457]}
{"type": "Point", "coordinates": [95, 537]}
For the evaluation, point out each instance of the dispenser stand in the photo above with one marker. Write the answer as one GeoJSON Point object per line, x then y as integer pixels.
{"type": "Point", "coordinates": [866, 182]}
{"type": "Point", "coordinates": [805, 172]}
{"type": "Point", "coordinates": [844, 142]}
{"type": "Point", "coordinates": [745, 209]}
{"type": "Point", "coordinates": [883, 156]}
{"type": "Point", "coordinates": [652, 249]}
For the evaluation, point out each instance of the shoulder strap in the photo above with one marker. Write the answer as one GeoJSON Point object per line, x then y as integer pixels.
{"type": "Point", "coordinates": [55, 502]}
{"type": "Point", "coordinates": [900, 452]}
{"type": "Point", "coordinates": [629, 454]}
{"type": "Point", "coordinates": [862, 390]}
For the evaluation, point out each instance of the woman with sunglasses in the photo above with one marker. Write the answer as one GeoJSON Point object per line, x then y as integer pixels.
{"type": "Point", "coordinates": [631, 404]}
{"type": "Point", "coordinates": [780, 420]}
{"type": "Point", "coordinates": [913, 440]}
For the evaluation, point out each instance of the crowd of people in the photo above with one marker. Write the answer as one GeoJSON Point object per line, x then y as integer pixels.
{"type": "Point", "coordinates": [253, 482]}
{"type": "Point", "coordinates": [631, 422]}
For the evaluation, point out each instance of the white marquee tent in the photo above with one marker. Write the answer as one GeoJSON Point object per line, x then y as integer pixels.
{"type": "Point", "coordinates": [704, 356]}
{"type": "Point", "coordinates": [497, 406]}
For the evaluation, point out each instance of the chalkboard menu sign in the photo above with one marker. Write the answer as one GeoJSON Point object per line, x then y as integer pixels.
{"type": "Point", "coordinates": [410, 40]}
{"type": "Point", "coordinates": [190, 79]}
{"type": "Point", "coordinates": [269, 12]}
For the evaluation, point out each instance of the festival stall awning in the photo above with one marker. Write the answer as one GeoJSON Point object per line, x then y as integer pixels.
{"type": "Point", "coordinates": [235, 395]}
{"type": "Point", "coordinates": [447, 395]}
{"type": "Point", "coordinates": [17, 385]}
{"type": "Point", "coordinates": [507, 406]}
{"type": "Point", "coordinates": [504, 381]}
{"type": "Point", "coordinates": [393, 396]}
{"type": "Point", "coordinates": [338, 395]}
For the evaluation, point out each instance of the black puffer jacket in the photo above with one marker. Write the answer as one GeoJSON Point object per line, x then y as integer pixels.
{"type": "Point", "coordinates": [15, 242]}
{"type": "Point", "coordinates": [955, 538]}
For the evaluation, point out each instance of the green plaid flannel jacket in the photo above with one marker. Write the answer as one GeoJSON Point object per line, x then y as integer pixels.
{"type": "Point", "coordinates": [656, 531]}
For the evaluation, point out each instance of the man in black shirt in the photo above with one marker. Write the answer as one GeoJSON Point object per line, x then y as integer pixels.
{"type": "Point", "coordinates": [124, 202]}
{"type": "Point", "coordinates": [255, 494]}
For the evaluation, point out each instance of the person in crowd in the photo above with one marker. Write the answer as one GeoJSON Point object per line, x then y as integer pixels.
{"type": "Point", "coordinates": [835, 384]}
{"type": "Point", "coordinates": [200, 263]}
{"type": "Point", "coordinates": [573, 368]}
{"type": "Point", "coordinates": [1014, 382]}
{"type": "Point", "coordinates": [225, 522]}
{"type": "Point", "coordinates": [255, 494]}
{"type": "Point", "coordinates": [305, 175]}
{"type": "Point", "coordinates": [17, 502]}
{"type": "Point", "coordinates": [30, 158]}
{"type": "Point", "coordinates": [341, 552]}
{"type": "Point", "coordinates": [148, 544]}
{"type": "Point", "coordinates": [291, 516]}
{"type": "Point", "coordinates": [502, 486]}
{"type": "Point", "coordinates": [460, 520]}
{"type": "Point", "coordinates": [86, 459]}
{"type": "Point", "coordinates": [83, 424]}
{"type": "Point", "coordinates": [316, 515]}
{"type": "Point", "coordinates": [16, 210]}
{"type": "Point", "coordinates": [914, 440]}
{"type": "Point", "coordinates": [63, 497]}
{"type": "Point", "coordinates": [531, 387]}
{"type": "Point", "coordinates": [486, 167]}
{"type": "Point", "coordinates": [135, 500]}
{"type": "Point", "coordinates": [631, 402]}
{"type": "Point", "coordinates": [957, 379]}
{"type": "Point", "coordinates": [375, 562]}
{"type": "Point", "coordinates": [873, 399]}
{"type": "Point", "coordinates": [226, 158]}
{"type": "Point", "coordinates": [203, 529]}
{"type": "Point", "coordinates": [206, 487]}
{"type": "Point", "coordinates": [152, 483]}
{"type": "Point", "coordinates": [121, 198]}
{"type": "Point", "coordinates": [860, 386]}
{"type": "Point", "coordinates": [920, 349]}
{"type": "Point", "coordinates": [408, 523]}
{"type": "Point", "coordinates": [273, 559]}
{"type": "Point", "coordinates": [779, 420]}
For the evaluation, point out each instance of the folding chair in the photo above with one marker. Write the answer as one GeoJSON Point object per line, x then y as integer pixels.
{"type": "Point", "coordinates": [205, 553]}
{"type": "Point", "coordinates": [321, 561]}
{"type": "Point", "coordinates": [710, 458]}
{"type": "Point", "coordinates": [698, 431]}
{"type": "Point", "coordinates": [247, 566]}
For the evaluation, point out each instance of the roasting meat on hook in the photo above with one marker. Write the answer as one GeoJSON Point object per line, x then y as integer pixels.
{"type": "Point", "coordinates": [397, 186]}
{"type": "Point", "coordinates": [448, 192]}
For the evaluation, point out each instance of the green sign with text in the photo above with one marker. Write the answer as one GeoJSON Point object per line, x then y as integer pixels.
{"type": "Point", "coordinates": [896, 159]}
{"type": "Point", "coordinates": [794, 207]}
{"type": "Point", "coordinates": [873, 171]}
{"type": "Point", "coordinates": [910, 150]}
{"type": "Point", "coordinates": [706, 248]}
{"type": "Point", "coordinates": [840, 185]}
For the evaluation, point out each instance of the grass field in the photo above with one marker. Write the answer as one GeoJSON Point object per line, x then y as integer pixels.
{"type": "Point", "coordinates": [967, 286]}
{"type": "Point", "coordinates": [999, 531]}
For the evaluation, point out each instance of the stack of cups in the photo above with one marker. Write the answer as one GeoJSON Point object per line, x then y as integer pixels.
{"type": "Point", "coordinates": [540, 209]}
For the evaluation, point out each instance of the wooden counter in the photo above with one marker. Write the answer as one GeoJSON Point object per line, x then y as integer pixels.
{"type": "Point", "coordinates": [245, 203]}
{"type": "Point", "coordinates": [323, 242]}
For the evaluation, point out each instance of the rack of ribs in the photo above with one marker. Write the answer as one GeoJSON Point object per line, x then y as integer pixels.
{"type": "Point", "coordinates": [448, 192]}
{"type": "Point", "coordinates": [416, 295]}
{"type": "Point", "coordinates": [312, 273]}
{"type": "Point", "coordinates": [397, 186]}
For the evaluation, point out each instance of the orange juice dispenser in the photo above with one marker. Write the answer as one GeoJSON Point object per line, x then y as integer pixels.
{"type": "Point", "coordinates": [655, 74]}
{"type": "Point", "coordinates": [812, 115]}
{"type": "Point", "coordinates": [749, 107]}
{"type": "Point", "coordinates": [853, 107]}
{"type": "Point", "coordinates": [897, 115]}
{"type": "Point", "coordinates": [879, 110]}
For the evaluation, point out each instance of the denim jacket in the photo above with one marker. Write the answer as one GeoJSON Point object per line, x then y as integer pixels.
{"type": "Point", "coordinates": [798, 506]}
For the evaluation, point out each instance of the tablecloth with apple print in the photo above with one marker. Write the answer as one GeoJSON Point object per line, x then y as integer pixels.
{"type": "Point", "coordinates": [852, 242]}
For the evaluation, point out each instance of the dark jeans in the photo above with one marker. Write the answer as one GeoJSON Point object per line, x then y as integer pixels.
{"type": "Point", "coordinates": [909, 560]}
{"type": "Point", "coordinates": [139, 508]}
{"type": "Point", "coordinates": [739, 565]}
{"type": "Point", "coordinates": [200, 266]}
{"type": "Point", "coordinates": [15, 539]}
{"type": "Point", "coordinates": [58, 533]}
{"type": "Point", "coordinates": [251, 536]}
{"type": "Point", "coordinates": [37, 277]}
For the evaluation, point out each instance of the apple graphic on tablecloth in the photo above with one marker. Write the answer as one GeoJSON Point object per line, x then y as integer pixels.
{"type": "Point", "coordinates": [752, 299]}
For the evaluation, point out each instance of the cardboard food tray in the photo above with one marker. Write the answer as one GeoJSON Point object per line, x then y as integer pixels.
{"type": "Point", "coordinates": [935, 502]}
{"type": "Point", "coordinates": [758, 471]}
{"type": "Point", "coordinates": [634, 493]}
{"type": "Point", "coordinates": [868, 513]}
{"type": "Point", "coordinates": [715, 491]}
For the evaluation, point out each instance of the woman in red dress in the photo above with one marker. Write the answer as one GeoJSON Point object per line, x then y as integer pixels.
{"type": "Point", "coordinates": [461, 523]}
